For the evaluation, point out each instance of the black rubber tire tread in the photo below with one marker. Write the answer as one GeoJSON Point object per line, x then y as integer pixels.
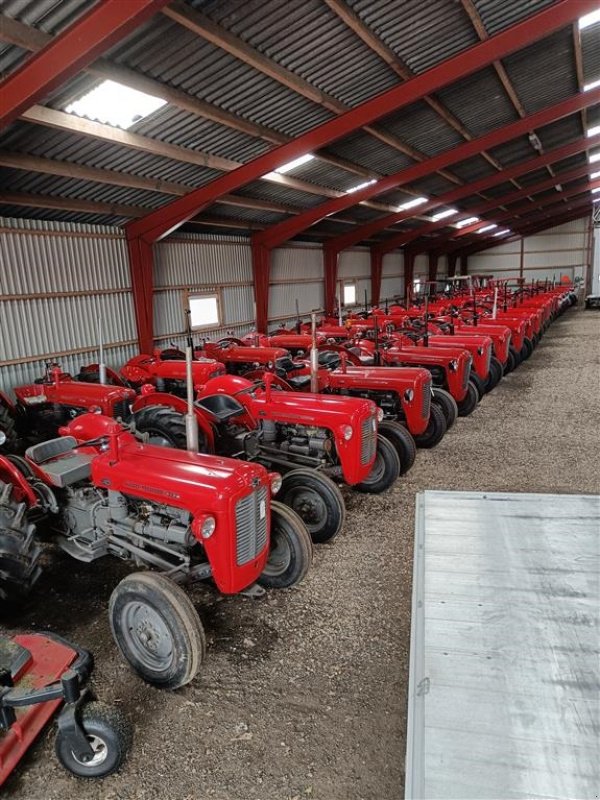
{"type": "Point", "coordinates": [403, 441]}
{"type": "Point", "coordinates": [9, 429]}
{"type": "Point", "coordinates": [469, 403]}
{"type": "Point", "coordinates": [527, 347]}
{"type": "Point", "coordinates": [495, 375]}
{"type": "Point", "coordinates": [165, 421]}
{"type": "Point", "coordinates": [172, 603]}
{"type": "Point", "coordinates": [391, 462]}
{"type": "Point", "coordinates": [447, 403]}
{"type": "Point", "coordinates": [436, 429]}
{"type": "Point", "coordinates": [285, 521]}
{"type": "Point", "coordinates": [20, 555]}
{"type": "Point", "coordinates": [479, 385]}
{"type": "Point", "coordinates": [330, 494]}
{"type": "Point", "coordinates": [106, 722]}
{"type": "Point", "coordinates": [514, 359]}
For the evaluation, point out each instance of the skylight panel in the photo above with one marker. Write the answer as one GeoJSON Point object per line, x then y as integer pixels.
{"type": "Point", "coordinates": [594, 175]}
{"type": "Point", "coordinates": [114, 104]}
{"type": "Point", "coordinates": [595, 191]}
{"type": "Point", "coordinates": [468, 221]}
{"type": "Point", "coordinates": [587, 87]}
{"type": "Point", "coordinates": [502, 233]}
{"type": "Point", "coordinates": [593, 131]}
{"type": "Point", "coordinates": [417, 201]}
{"type": "Point", "coordinates": [487, 228]}
{"type": "Point", "coordinates": [589, 19]}
{"type": "Point", "coordinates": [594, 157]}
{"type": "Point", "coordinates": [449, 212]}
{"type": "Point", "coordinates": [360, 186]}
{"type": "Point", "coordinates": [297, 162]}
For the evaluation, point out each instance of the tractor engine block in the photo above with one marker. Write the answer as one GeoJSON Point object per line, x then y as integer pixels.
{"type": "Point", "coordinates": [389, 402]}
{"type": "Point", "coordinates": [305, 440]}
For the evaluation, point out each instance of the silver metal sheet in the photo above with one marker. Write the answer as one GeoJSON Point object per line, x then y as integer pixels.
{"type": "Point", "coordinates": [504, 688]}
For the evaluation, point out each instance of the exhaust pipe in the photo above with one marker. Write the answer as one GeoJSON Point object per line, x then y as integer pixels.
{"type": "Point", "coordinates": [495, 306]}
{"type": "Point", "coordinates": [191, 423]}
{"type": "Point", "coordinates": [101, 363]}
{"type": "Point", "coordinates": [314, 355]}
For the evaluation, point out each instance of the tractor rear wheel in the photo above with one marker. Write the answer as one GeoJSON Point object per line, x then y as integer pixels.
{"type": "Point", "coordinates": [435, 430]}
{"type": "Point", "coordinates": [479, 385]}
{"type": "Point", "coordinates": [157, 629]}
{"type": "Point", "coordinates": [495, 375]}
{"type": "Point", "coordinates": [469, 403]}
{"type": "Point", "coordinates": [164, 426]}
{"type": "Point", "coordinates": [447, 403]}
{"type": "Point", "coordinates": [291, 549]}
{"type": "Point", "coordinates": [385, 470]}
{"type": "Point", "coordinates": [402, 440]}
{"type": "Point", "coordinates": [317, 501]}
{"type": "Point", "coordinates": [527, 349]}
{"type": "Point", "coordinates": [8, 431]}
{"type": "Point", "coordinates": [20, 552]}
{"type": "Point", "coordinates": [514, 359]}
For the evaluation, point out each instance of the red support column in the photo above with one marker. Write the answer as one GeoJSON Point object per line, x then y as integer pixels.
{"type": "Point", "coordinates": [409, 272]}
{"type": "Point", "coordinates": [452, 257]}
{"type": "Point", "coordinates": [376, 270]}
{"type": "Point", "coordinates": [141, 268]}
{"type": "Point", "coordinates": [261, 271]}
{"type": "Point", "coordinates": [330, 264]}
{"type": "Point", "coordinates": [464, 264]}
{"type": "Point", "coordinates": [433, 265]}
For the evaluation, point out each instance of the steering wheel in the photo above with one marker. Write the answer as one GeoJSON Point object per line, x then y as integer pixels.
{"type": "Point", "coordinates": [249, 389]}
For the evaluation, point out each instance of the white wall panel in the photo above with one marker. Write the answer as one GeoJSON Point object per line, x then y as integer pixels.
{"type": "Point", "coordinates": [294, 263]}
{"type": "Point", "coordinates": [354, 264]}
{"type": "Point", "coordinates": [393, 264]}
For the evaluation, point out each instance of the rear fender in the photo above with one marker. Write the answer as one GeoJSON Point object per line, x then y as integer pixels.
{"type": "Point", "coordinates": [112, 376]}
{"type": "Point", "coordinates": [180, 405]}
{"type": "Point", "coordinates": [6, 403]}
{"type": "Point", "coordinates": [22, 490]}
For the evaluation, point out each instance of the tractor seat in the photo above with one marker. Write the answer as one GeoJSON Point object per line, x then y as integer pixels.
{"type": "Point", "coordinates": [61, 471]}
{"type": "Point", "coordinates": [299, 382]}
{"type": "Point", "coordinates": [329, 359]}
{"type": "Point", "coordinates": [221, 406]}
{"type": "Point", "coordinates": [285, 364]}
{"type": "Point", "coordinates": [13, 657]}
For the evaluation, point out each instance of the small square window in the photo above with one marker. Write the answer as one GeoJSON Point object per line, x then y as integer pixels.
{"type": "Point", "coordinates": [349, 294]}
{"type": "Point", "coordinates": [205, 311]}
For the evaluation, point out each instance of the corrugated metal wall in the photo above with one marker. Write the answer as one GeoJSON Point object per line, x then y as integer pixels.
{"type": "Point", "coordinates": [55, 280]}
{"type": "Point", "coordinates": [558, 251]}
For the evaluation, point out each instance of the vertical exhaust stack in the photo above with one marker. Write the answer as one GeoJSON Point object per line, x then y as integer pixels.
{"type": "Point", "coordinates": [495, 306]}
{"type": "Point", "coordinates": [191, 423]}
{"type": "Point", "coordinates": [314, 355]}
{"type": "Point", "coordinates": [340, 298]}
{"type": "Point", "coordinates": [298, 320]}
{"type": "Point", "coordinates": [101, 362]}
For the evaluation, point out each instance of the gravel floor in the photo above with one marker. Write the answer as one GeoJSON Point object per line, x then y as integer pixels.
{"type": "Point", "coordinates": [303, 694]}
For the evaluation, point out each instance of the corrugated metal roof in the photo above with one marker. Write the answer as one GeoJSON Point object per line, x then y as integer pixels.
{"type": "Point", "coordinates": [10, 58]}
{"type": "Point", "coordinates": [419, 126]}
{"type": "Point", "coordinates": [50, 16]}
{"type": "Point", "coordinates": [363, 149]}
{"type": "Point", "coordinates": [473, 168]}
{"type": "Point", "coordinates": [19, 212]}
{"type": "Point", "coordinates": [263, 190]}
{"type": "Point", "coordinates": [514, 151]}
{"type": "Point", "coordinates": [242, 214]}
{"type": "Point", "coordinates": [496, 16]}
{"type": "Point", "coordinates": [590, 50]}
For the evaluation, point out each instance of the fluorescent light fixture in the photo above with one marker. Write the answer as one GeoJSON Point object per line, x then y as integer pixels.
{"type": "Point", "coordinates": [534, 140]}
{"type": "Point", "coordinates": [593, 131]}
{"type": "Point", "coordinates": [502, 233]}
{"type": "Point", "coordinates": [360, 186]}
{"type": "Point", "coordinates": [589, 19]}
{"type": "Point", "coordinates": [595, 191]}
{"type": "Point", "coordinates": [558, 187]}
{"type": "Point", "coordinates": [595, 157]}
{"type": "Point", "coordinates": [449, 212]}
{"type": "Point", "coordinates": [594, 175]}
{"type": "Point", "coordinates": [417, 201]}
{"type": "Point", "coordinates": [297, 162]}
{"type": "Point", "coordinates": [467, 221]}
{"type": "Point", "coordinates": [487, 228]}
{"type": "Point", "coordinates": [593, 85]}
{"type": "Point", "coordinates": [114, 104]}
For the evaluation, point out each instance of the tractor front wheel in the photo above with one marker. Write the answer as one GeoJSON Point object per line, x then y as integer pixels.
{"type": "Point", "coordinates": [447, 403]}
{"type": "Point", "coordinates": [291, 550]}
{"type": "Point", "coordinates": [402, 440]}
{"type": "Point", "coordinates": [385, 470]}
{"type": "Point", "coordinates": [435, 430]}
{"type": "Point", "coordinates": [109, 737]}
{"type": "Point", "coordinates": [479, 385]}
{"type": "Point", "coordinates": [157, 629]}
{"type": "Point", "coordinates": [317, 501]}
{"type": "Point", "coordinates": [469, 404]}
{"type": "Point", "coordinates": [495, 375]}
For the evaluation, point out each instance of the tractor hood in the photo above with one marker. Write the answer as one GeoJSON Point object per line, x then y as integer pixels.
{"type": "Point", "coordinates": [378, 378]}
{"type": "Point", "coordinates": [240, 354]}
{"type": "Point", "coordinates": [202, 370]}
{"type": "Point", "coordinates": [74, 393]}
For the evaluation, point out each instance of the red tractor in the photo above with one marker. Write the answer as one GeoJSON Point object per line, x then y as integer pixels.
{"type": "Point", "coordinates": [185, 516]}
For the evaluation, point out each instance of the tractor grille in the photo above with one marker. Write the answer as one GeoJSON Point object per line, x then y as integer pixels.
{"type": "Point", "coordinates": [121, 410]}
{"type": "Point", "coordinates": [489, 360]}
{"type": "Point", "coordinates": [368, 441]}
{"type": "Point", "coordinates": [467, 373]}
{"type": "Point", "coordinates": [426, 407]}
{"type": "Point", "coordinates": [251, 528]}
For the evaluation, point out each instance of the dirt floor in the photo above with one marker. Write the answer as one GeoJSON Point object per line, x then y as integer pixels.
{"type": "Point", "coordinates": [303, 693]}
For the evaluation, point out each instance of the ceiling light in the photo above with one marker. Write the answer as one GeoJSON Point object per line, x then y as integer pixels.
{"type": "Point", "coordinates": [534, 140]}
{"type": "Point", "coordinates": [487, 228]}
{"type": "Point", "coordinates": [558, 187]}
{"type": "Point", "coordinates": [594, 175]}
{"type": "Point", "coordinates": [361, 186]}
{"type": "Point", "coordinates": [468, 221]}
{"type": "Point", "coordinates": [593, 131]}
{"type": "Point", "coordinates": [593, 85]}
{"type": "Point", "coordinates": [595, 157]}
{"type": "Point", "coordinates": [417, 201]}
{"type": "Point", "coordinates": [589, 19]}
{"type": "Point", "coordinates": [297, 162]}
{"type": "Point", "coordinates": [502, 233]}
{"type": "Point", "coordinates": [114, 104]}
{"type": "Point", "coordinates": [449, 212]}
{"type": "Point", "coordinates": [595, 191]}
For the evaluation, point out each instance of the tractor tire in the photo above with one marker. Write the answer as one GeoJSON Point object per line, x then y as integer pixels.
{"type": "Point", "coordinates": [385, 471]}
{"type": "Point", "coordinates": [527, 349]}
{"type": "Point", "coordinates": [479, 385]}
{"type": "Point", "coordinates": [165, 426]}
{"type": "Point", "coordinates": [514, 359]}
{"type": "Point", "coordinates": [469, 404]}
{"type": "Point", "coordinates": [317, 501]}
{"type": "Point", "coordinates": [447, 403]}
{"type": "Point", "coordinates": [436, 428]}
{"type": "Point", "coordinates": [157, 629]}
{"type": "Point", "coordinates": [402, 440]}
{"type": "Point", "coordinates": [495, 375]}
{"type": "Point", "coordinates": [291, 549]}
{"type": "Point", "coordinates": [109, 736]}
{"type": "Point", "coordinates": [8, 431]}
{"type": "Point", "coordinates": [20, 554]}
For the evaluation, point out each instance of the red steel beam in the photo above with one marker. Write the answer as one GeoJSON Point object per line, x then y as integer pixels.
{"type": "Point", "coordinates": [163, 221]}
{"type": "Point", "coordinates": [82, 42]}
{"type": "Point", "coordinates": [282, 231]}
{"type": "Point", "coordinates": [558, 154]}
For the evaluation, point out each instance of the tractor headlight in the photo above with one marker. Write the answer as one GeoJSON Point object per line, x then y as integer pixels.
{"type": "Point", "coordinates": [480, 351]}
{"type": "Point", "coordinates": [453, 365]}
{"type": "Point", "coordinates": [347, 432]}
{"type": "Point", "coordinates": [208, 527]}
{"type": "Point", "coordinates": [409, 395]}
{"type": "Point", "coordinates": [269, 365]}
{"type": "Point", "coordinates": [2, 438]}
{"type": "Point", "coordinates": [276, 481]}
{"type": "Point", "coordinates": [379, 414]}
